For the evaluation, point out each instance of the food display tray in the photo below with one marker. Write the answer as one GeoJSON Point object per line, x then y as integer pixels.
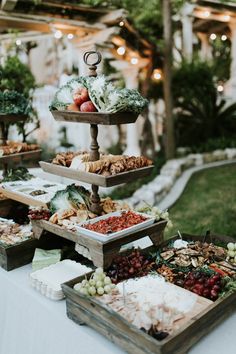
{"type": "Point", "coordinates": [90, 311]}
{"type": "Point", "coordinates": [93, 178]}
{"type": "Point", "coordinates": [116, 235]}
{"type": "Point", "coordinates": [102, 252]}
{"type": "Point", "coordinates": [95, 117]}
{"type": "Point", "coordinates": [12, 118]}
{"type": "Point", "coordinates": [20, 254]}
{"type": "Point", "coordinates": [25, 198]}
{"type": "Point", "coordinates": [28, 155]}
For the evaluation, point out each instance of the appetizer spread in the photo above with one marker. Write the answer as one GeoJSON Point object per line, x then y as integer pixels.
{"type": "Point", "coordinates": [107, 165]}
{"type": "Point", "coordinates": [12, 233]}
{"type": "Point", "coordinates": [115, 223]}
{"type": "Point", "coordinates": [13, 147]}
{"type": "Point", "coordinates": [36, 189]}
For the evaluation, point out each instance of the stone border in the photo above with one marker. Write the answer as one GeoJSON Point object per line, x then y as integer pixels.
{"type": "Point", "coordinates": [167, 187]}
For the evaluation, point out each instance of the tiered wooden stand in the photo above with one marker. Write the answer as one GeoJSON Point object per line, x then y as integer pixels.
{"type": "Point", "coordinates": [90, 311]}
{"type": "Point", "coordinates": [101, 253]}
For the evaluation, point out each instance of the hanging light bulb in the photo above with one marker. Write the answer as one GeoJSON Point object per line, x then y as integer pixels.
{"type": "Point", "coordinates": [58, 34]}
{"type": "Point", "coordinates": [134, 61]}
{"type": "Point", "coordinates": [121, 50]}
{"type": "Point", "coordinates": [206, 14]}
{"type": "Point", "coordinates": [223, 37]}
{"type": "Point", "coordinates": [220, 88]}
{"type": "Point", "coordinates": [213, 36]}
{"type": "Point", "coordinates": [121, 23]}
{"type": "Point", "coordinates": [70, 36]}
{"type": "Point", "coordinates": [18, 42]}
{"type": "Point", "coordinates": [157, 74]}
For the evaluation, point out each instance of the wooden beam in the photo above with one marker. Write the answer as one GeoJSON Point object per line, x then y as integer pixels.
{"type": "Point", "coordinates": [8, 5]}
{"type": "Point", "coordinates": [44, 23]}
{"type": "Point", "coordinates": [113, 17]}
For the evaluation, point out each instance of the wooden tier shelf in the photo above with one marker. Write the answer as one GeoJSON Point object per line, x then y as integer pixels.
{"type": "Point", "coordinates": [93, 178]}
{"type": "Point", "coordinates": [91, 311]}
{"type": "Point", "coordinates": [102, 253]}
{"type": "Point", "coordinates": [28, 155]}
{"type": "Point", "coordinates": [95, 117]}
{"type": "Point", "coordinates": [12, 118]}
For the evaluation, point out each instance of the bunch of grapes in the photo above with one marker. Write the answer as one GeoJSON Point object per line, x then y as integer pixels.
{"type": "Point", "coordinates": [98, 284]}
{"type": "Point", "coordinates": [203, 284]}
{"type": "Point", "coordinates": [231, 253]}
{"type": "Point", "coordinates": [131, 266]}
{"type": "Point", "coordinates": [39, 214]}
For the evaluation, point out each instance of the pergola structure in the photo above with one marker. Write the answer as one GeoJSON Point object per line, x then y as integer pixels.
{"type": "Point", "coordinates": [75, 29]}
{"type": "Point", "coordinates": [206, 19]}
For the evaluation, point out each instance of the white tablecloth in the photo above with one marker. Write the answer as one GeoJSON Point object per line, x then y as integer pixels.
{"type": "Point", "coordinates": [33, 324]}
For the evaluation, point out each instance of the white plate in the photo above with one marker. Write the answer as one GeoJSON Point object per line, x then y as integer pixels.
{"type": "Point", "coordinates": [115, 235]}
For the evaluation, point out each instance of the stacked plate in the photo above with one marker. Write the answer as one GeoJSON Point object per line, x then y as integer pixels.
{"type": "Point", "coordinates": [48, 280]}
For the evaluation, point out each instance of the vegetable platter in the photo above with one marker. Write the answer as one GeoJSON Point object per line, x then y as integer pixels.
{"type": "Point", "coordinates": [93, 178]}
{"type": "Point", "coordinates": [181, 315]}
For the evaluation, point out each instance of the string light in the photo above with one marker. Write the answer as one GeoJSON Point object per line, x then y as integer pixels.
{"type": "Point", "coordinates": [18, 42]}
{"type": "Point", "coordinates": [213, 36]}
{"type": "Point", "coordinates": [157, 75]}
{"type": "Point", "coordinates": [58, 34]}
{"type": "Point", "coordinates": [70, 36]}
{"type": "Point", "coordinates": [226, 18]}
{"type": "Point", "coordinates": [134, 61]}
{"type": "Point", "coordinates": [121, 23]}
{"type": "Point", "coordinates": [220, 88]}
{"type": "Point", "coordinates": [206, 14]}
{"type": "Point", "coordinates": [223, 37]}
{"type": "Point", "coordinates": [121, 50]}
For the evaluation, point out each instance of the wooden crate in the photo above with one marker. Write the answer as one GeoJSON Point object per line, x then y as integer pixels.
{"type": "Point", "coordinates": [93, 178]}
{"type": "Point", "coordinates": [95, 117]}
{"type": "Point", "coordinates": [22, 198]}
{"type": "Point", "coordinates": [90, 311]}
{"type": "Point", "coordinates": [102, 253]}
{"type": "Point", "coordinates": [15, 256]}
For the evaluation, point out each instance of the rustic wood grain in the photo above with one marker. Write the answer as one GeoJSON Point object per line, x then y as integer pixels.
{"type": "Point", "coordinates": [95, 117]}
{"type": "Point", "coordinates": [12, 118]}
{"type": "Point", "coordinates": [102, 252]}
{"type": "Point", "coordinates": [28, 155]}
{"type": "Point", "coordinates": [93, 178]}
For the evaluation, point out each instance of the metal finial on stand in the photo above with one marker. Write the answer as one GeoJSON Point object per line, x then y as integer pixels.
{"type": "Point", "coordinates": [94, 147]}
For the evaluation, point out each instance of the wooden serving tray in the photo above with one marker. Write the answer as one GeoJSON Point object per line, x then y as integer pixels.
{"type": "Point", "coordinates": [102, 253]}
{"type": "Point", "coordinates": [24, 199]}
{"type": "Point", "coordinates": [95, 117]}
{"type": "Point", "coordinates": [35, 154]}
{"type": "Point", "coordinates": [90, 311]}
{"type": "Point", "coordinates": [93, 178]}
{"type": "Point", "coordinates": [12, 118]}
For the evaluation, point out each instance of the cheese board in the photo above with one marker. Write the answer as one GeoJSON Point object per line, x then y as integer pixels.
{"type": "Point", "coordinates": [101, 316]}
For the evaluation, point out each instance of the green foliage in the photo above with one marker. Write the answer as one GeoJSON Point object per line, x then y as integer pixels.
{"type": "Point", "coordinates": [16, 76]}
{"type": "Point", "coordinates": [12, 102]}
{"type": "Point", "coordinates": [207, 203]}
{"type": "Point", "coordinates": [200, 114]}
{"type": "Point", "coordinates": [221, 59]}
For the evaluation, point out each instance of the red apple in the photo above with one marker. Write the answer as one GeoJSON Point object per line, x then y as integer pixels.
{"type": "Point", "coordinates": [72, 107]}
{"type": "Point", "coordinates": [80, 96]}
{"type": "Point", "coordinates": [88, 107]}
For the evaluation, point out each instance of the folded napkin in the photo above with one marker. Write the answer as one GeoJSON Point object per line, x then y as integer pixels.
{"type": "Point", "coordinates": [43, 258]}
